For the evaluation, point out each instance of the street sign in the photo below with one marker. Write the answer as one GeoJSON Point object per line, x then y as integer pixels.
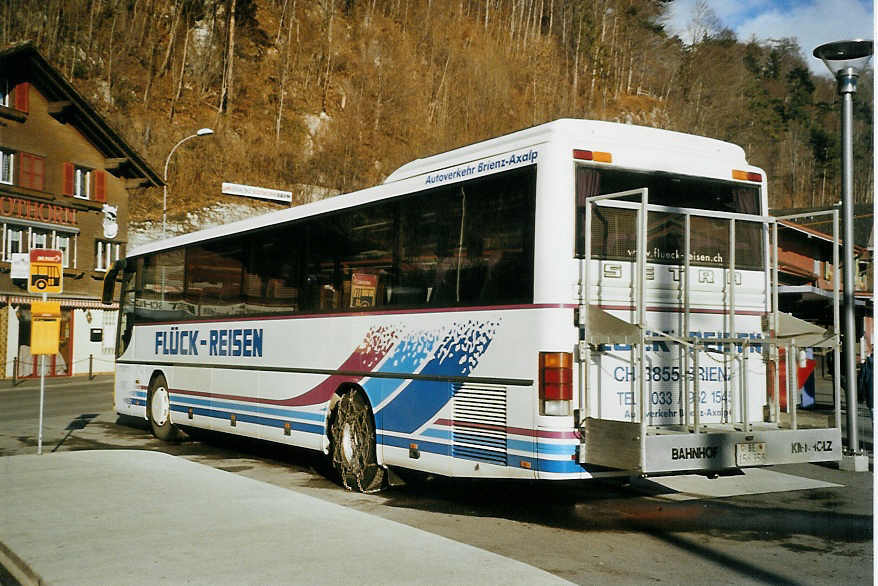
{"type": "Point", "coordinates": [46, 271]}
{"type": "Point", "coordinates": [258, 192]}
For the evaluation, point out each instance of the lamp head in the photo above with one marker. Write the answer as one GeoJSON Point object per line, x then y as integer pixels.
{"type": "Point", "coordinates": [204, 131]}
{"type": "Point", "coordinates": [845, 57]}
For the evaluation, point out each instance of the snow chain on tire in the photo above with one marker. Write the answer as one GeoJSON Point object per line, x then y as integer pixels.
{"type": "Point", "coordinates": [352, 423]}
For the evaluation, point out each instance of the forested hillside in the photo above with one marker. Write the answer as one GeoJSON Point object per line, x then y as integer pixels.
{"type": "Point", "coordinates": [338, 93]}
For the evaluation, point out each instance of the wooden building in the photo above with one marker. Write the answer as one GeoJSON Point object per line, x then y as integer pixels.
{"type": "Point", "coordinates": [805, 272]}
{"type": "Point", "coordinates": [65, 179]}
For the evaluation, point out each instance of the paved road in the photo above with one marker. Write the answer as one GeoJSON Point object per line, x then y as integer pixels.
{"type": "Point", "coordinates": [587, 533]}
{"type": "Point", "coordinates": [69, 403]}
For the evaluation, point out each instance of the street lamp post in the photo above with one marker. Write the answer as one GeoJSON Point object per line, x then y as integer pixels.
{"type": "Point", "coordinates": [200, 132]}
{"type": "Point", "coordinates": [845, 59]}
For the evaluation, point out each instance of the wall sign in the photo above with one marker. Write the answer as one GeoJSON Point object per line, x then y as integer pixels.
{"type": "Point", "coordinates": [20, 266]}
{"type": "Point", "coordinates": [27, 209]}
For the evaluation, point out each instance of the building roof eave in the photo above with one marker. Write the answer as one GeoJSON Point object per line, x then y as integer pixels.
{"type": "Point", "coordinates": [70, 107]}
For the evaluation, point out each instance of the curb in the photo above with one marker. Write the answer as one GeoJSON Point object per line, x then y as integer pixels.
{"type": "Point", "coordinates": [18, 569]}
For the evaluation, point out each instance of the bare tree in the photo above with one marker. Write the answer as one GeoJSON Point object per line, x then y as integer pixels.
{"type": "Point", "coordinates": [280, 24]}
{"type": "Point", "coordinates": [329, 12]}
{"type": "Point", "coordinates": [285, 72]}
{"type": "Point", "coordinates": [111, 50]}
{"type": "Point", "coordinates": [150, 71]}
{"type": "Point", "coordinates": [703, 24]}
{"type": "Point", "coordinates": [229, 69]}
{"type": "Point", "coordinates": [182, 72]}
{"type": "Point", "coordinates": [95, 7]}
{"type": "Point", "coordinates": [172, 37]}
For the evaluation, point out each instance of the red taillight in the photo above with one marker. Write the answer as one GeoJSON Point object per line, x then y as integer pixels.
{"type": "Point", "coordinates": [556, 376]}
{"type": "Point", "coordinates": [746, 176]}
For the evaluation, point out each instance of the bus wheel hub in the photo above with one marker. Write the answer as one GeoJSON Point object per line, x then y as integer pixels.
{"type": "Point", "coordinates": [160, 406]}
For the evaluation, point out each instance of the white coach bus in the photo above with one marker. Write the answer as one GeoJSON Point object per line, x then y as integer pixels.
{"type": "Point", "coordinates": [441, 321]}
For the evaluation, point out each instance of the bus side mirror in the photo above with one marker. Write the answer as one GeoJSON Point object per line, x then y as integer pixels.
{"type": "Point", "coordinates": [110, 281]}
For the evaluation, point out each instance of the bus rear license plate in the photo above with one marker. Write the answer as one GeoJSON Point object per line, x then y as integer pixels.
{"type": "Point", "coordinates": [751, 454]}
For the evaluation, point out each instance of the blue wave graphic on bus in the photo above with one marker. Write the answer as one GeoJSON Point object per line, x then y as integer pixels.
{"type": "Point", "coordinates": [457, 355]}
{"type": "Point", "coordinates": [409, 354]}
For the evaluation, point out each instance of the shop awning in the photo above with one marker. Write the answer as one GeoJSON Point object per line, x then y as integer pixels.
{"type": "Point", "coordinates": [804, 333]}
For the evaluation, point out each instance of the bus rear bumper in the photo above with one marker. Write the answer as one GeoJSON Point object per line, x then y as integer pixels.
{"type": "Point", "coordinates": [618, 444]}
{"type": "Point", "coordinates": [738, 449]}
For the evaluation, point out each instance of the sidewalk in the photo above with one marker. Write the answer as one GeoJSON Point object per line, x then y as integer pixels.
{"type": "Point", "coordinates": [140, 517]}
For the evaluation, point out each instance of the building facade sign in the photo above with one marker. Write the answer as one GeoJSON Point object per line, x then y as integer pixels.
{"type": "Point", "coordinates": [20, 265]}
{"type": "Point", "coordinates": [26, 209]}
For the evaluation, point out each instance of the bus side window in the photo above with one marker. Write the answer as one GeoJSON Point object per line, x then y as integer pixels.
{"type": "Point", "coordinates": [329, 297]}
{"type": "Point", "coordinates": [428, 227]}
{"type": "Point", "coordinates": [470, 243]}
{"type": "Point", "coordinates": [366, 255]}
{"type": "Point", "coordinates": [319, 292]}
{"type": "Point", "coordinates": [214, 277]}
{"type": "Point", "coordinates": [361, 290]}
{"type": "Point", "coordinates": [280, 292]}
{"type": "Point", "coordinates": [272, 271]}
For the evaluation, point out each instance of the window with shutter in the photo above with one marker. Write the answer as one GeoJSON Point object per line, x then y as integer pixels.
{"type": "Point", "coordinates": [62, 243]}
{"type": "Point", "coordinates": [39, 238]}
{"type": "Point", "coordinates": [15, 241]}
{"type": "Point", "coordinates": [7, 160]}
{"type": "Point", "coordinates": [81, 182]}
{"type": "Point", "coordinates": [31, 171]}
{"type": "Point", "coordinates": [67, 170]}
{"type": "Point", "coordinates": [22, 97]}
{"type": "Point", "coordinates": [77, 181]}
{"type": "Point", "coordinates": [100, 185]}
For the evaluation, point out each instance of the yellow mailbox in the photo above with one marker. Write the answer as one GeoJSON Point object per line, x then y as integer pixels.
{"type": "Point", "coordinates": [45, 329]}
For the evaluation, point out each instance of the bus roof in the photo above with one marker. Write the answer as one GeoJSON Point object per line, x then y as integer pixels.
{"type": "Point", "coordinates": [628, 142]}
{"type": "Point", "coordinates": [601, 135]}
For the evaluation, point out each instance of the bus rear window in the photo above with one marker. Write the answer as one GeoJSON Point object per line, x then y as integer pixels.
{"type": "Point", "coordinates": [614, 230]}
{"type": "Point", "coordinates": [677, 191]}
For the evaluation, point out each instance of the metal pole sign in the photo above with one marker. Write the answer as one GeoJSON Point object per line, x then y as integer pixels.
{"type": "Point", "coordinates": [44, 338]}
{"type": "Point", "coordinates": [46, 271]}
{"type": "Point", "coordinates": [46, 275]}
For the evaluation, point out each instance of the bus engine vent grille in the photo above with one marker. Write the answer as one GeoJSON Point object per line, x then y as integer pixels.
{"type": "Point", "coordinates": [479, 431]}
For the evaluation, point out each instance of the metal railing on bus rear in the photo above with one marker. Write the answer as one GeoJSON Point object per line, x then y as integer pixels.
{"type": "Point", "coordinates": [836, 313]}
{"type": "Point", "coordinates": [739, 402]}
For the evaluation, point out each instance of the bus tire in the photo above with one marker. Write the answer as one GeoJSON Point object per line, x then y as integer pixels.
{"type": "Point", "coordinates": [158, 411]}
{"type": "Point", "coordinates": [352, 446]}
